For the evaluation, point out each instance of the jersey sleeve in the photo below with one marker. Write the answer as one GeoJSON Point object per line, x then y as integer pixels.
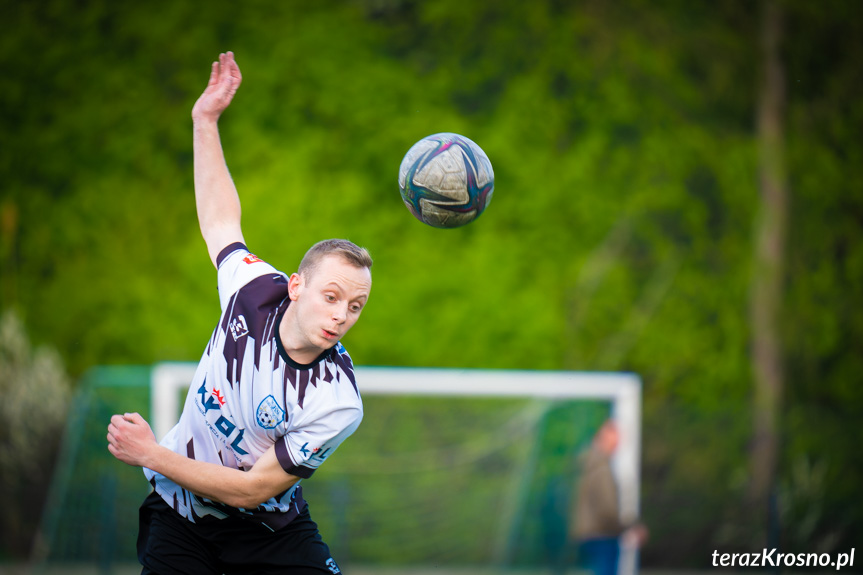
{"type": "Point", "coordinates": [237, 267]}
{"type": "Point", "coordinates": [302, 450]}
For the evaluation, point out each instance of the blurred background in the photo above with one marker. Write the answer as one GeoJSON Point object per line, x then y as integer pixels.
{"type": "Point", "coordinates": [679, 194]}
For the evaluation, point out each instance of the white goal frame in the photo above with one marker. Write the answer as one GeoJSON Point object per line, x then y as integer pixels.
{"type": "Point", "coordinates": [622, 390]}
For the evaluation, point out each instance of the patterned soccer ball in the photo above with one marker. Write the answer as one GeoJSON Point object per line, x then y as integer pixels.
{"type": "Point", "coordinates": [446, 180]}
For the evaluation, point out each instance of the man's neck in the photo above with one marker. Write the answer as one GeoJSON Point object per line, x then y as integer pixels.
{"type": "Point", "coordinates": [287, 334]}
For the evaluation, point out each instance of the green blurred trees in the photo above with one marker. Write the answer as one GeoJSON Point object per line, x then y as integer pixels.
{"type": "Point", "coordinates": [620, 236]}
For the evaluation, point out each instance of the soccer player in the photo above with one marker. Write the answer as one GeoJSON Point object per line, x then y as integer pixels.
{"type": "Point", "coordinates": [272, 398]}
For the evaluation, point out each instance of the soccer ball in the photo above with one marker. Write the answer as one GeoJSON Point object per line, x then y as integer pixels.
{"type": "Point", "coordinates": [446, 180]}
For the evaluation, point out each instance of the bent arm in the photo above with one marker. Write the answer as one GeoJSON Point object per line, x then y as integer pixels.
{"type": "Point", "coordinates": [216, 198]}
{"type": "Point", "coordinates": [241, 489]}
{"type": "Point", "coordinates": [130, 440]}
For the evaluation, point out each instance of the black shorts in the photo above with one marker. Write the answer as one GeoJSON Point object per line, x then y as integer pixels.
{"type": "Point", "coordinates": [169, 544]}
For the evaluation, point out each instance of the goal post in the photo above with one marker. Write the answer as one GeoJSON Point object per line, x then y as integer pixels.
{"type": "Point", "coordinates": [622, 390]}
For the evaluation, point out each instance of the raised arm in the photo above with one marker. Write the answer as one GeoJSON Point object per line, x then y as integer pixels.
{"type": "Point", "coordinates": [131, 441]}
{"type": "Point", "coordinates": [216, 196]}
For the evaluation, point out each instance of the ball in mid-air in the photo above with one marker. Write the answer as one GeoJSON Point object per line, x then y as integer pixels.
{"type": "Point", "coordinates": [446, 180]}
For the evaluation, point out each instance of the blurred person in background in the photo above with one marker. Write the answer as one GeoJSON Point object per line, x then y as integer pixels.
{"type": "Point", "coordinates": [596, 529]}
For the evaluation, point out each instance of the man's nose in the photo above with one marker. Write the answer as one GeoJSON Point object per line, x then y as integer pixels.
{"type": "Point", "coordinates": [340, 312]}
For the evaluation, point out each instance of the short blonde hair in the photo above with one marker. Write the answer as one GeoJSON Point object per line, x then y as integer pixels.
{"type": "Point", "coordinates": [352, 253]}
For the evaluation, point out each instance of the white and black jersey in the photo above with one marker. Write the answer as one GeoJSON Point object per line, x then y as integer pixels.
{"type": "Point", "coordinates": [248, 395]}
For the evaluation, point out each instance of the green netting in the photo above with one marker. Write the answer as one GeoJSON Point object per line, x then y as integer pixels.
{"type": "Point", "coordinates": [461, 481]}
{"type": "Point", "coordinates": [91, 515]}
{"type": "Point", "coordinates": [426, 480]}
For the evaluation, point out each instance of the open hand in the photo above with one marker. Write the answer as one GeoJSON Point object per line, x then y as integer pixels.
{"type": "Point", "coordinates": [130, 439]}
{"type": "Point", "coordinates": [225, 79]}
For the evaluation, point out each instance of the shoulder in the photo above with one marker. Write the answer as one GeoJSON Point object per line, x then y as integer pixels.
{"type": "Point", "coordinates": [237, 255]}
{"type": "Point", "coordinates": [230, 250]}
{"type": "Point", "coordinates": [237, 267]}
{"type": "Point", "coordinates": [342, 360]}
{"type": "Point", "coordinates": [340, 352]}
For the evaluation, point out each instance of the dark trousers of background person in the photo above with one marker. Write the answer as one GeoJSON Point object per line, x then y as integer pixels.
{"type": "Point", "coordinates": [600, 556]}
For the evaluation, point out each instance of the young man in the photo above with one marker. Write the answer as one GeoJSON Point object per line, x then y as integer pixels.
{"type": "Point", "coordinates": [273, 395]}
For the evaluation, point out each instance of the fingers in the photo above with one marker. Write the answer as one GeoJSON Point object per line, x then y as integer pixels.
{"type": "Point", "coordinates": [114, 431]}
{"type": "Point", "coordinates": [121, 436]}
{"type": "Point", "coordinates": [229, 72]}
{"type": "Point", "coordinates": [224, 64]}
{"type": "Point", "coordinates": [224, 81]}
{"type": "Point", "coordinates": [214, 75]}
{"type": "Point", "coordinates": [118, 420]}
{"type": "Point", "coordinates": [233, 68]}
{"type": "Point", "coordinates": [112, 438]}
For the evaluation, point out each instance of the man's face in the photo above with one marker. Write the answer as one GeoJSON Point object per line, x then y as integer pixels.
{"type": "Point", "coordinates": [608, 438]}
{"type": "Point", "coordinates": [329, 302]}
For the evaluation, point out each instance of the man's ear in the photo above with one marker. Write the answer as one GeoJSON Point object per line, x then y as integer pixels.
{"type": "Point", "coordinates": [295, 282]}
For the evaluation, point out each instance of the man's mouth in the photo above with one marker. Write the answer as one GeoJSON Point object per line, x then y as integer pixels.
{"type": "Point", "coordinates": [330, 334]}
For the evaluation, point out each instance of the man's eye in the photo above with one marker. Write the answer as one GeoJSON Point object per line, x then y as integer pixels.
{"type": "Point", "coordinates": [330, 297]}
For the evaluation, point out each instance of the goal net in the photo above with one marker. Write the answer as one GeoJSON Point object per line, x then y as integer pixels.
{"type": "Point", "coordinates": [450, 467]}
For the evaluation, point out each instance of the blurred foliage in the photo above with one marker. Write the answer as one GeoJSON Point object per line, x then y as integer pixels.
{"type": "Point", "coordinates": [619, 238]}
{"type": "Point", "coordinates": [35, 394]}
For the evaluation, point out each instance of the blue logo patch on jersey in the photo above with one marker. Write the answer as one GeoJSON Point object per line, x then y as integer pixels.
{"type": "Point", "coordinates": [269, 413]}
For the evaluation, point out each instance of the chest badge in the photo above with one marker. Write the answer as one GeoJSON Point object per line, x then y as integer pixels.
{"type": "Point", "coordinates": [269, 413]}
